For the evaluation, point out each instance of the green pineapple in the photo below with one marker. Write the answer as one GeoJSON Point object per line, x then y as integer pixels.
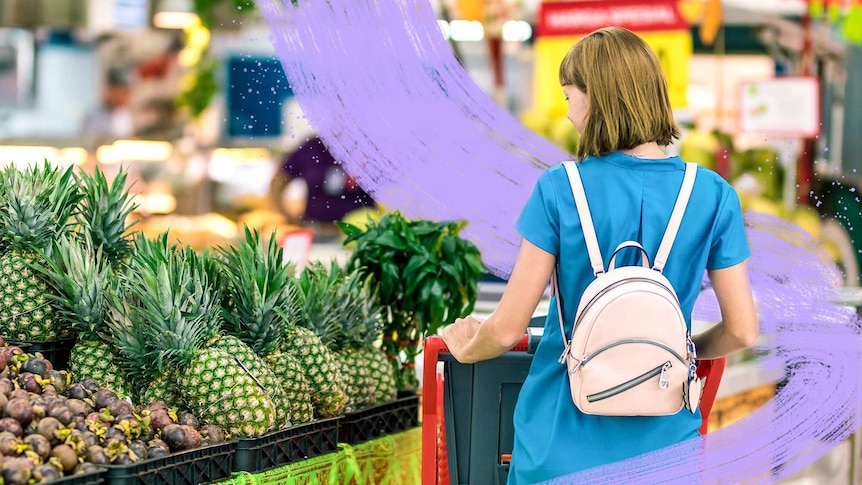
{"type": "Point", "coordinates": [177, 306]}
{"type": "Point", "coordinates": [339, 307]}
{"type": "Point", "coordinates": [317, 362]}
{"type": "Point", "coordinates": [135, 353]}
{"type": "Point", "coordinates": [105, 210]}
{"type": "Point", "coordinates": [257, 288]}
{"type": "Point", "coordinates": [79, 278]}
{"type": "Point", "coordinates": [310, 340]}
{"type": "Point", "coordinates": [361, 329]}
{"type": "Point", "coordinates": [38, 206]}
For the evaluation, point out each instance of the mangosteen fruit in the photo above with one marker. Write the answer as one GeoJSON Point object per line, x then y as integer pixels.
{"type": "Point", "coordinates": [212, 434]}
{"type": "Point", "coordinates": [189, 419]}
{"type": "Point", "coordinates": [49, 427]}
{"type": "Point", "coordinates": [159, 418]}
{"type": "Point", "coordinates": [152, 406]}
{"type": "Point", "coordinates": [66, 456]}
{"type": "Point", "coordinates": [114, 433]}
{"type": "Point", "coordinates": [139, 449]}
{"type": "Point", "coordinates": [20, 410]}
{"type": "Point", "coordinates": [17, 471]}
{"type": "Point", "coordinates": [181, 437]}
{"type": "Point", "coordinates": [157, 448]}
{"type": "Point", "coordinates": [58, 379]}
{"type": "Point", "coordinates": [62, 413]}
{"type": "Point", "coordinates": [79, 407]}
{"type": "Point", "coordinates": [120, 407]}
{"type": "Point", "coordinates": [20, 394]}
{"type": "Point", "coordinates": [35, 365]}
{"type": "Point", "coordinates": [28, 382]}
{"type": "Point", "coordinates": [129, 424]}
{"type": "Point", "coordinates": [6, 386]}
{"type": "Point", "coordinates": [91, 438]}
{"type": "Point", "coordinates": [90, 385]}
{"type": "Point", "coordinates": [96, 454]}
{"type": "Point", "coordinates": [46, 473]}
{"type": "Point", "coordinates": [11, 425]}
{"type": "Point", "coordinates": [49, 391]}
{"type": "Point", "coordinates": [9, 444]}
{"type": "Point", "coordinates": [77, 391]}
{"type": "Point", "coordinates": [85, 468]}
{"type": "Point", "coordinates": [103, 398]}
{"type": "Point", "coordinates": [39, 444]}
{"type": "Point", "coordinates": [123, 458]}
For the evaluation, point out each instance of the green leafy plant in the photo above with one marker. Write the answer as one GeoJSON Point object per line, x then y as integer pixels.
{"type": "Point", "coordinates": [424, 275]}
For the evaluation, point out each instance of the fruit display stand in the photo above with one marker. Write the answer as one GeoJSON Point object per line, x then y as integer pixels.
{"type": "Point", "coordinates": [200, 465]}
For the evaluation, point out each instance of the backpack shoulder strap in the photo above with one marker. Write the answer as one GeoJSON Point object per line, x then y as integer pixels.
{"type": "Point", "coordinates": [676, 217]}
{"type": "Point", "coordinates": [586, 220]}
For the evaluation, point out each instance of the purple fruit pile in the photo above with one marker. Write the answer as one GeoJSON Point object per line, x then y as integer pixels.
{"type": "Point", "coordinates": [52, 427]}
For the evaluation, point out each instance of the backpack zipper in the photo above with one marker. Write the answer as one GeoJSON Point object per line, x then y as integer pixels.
{"type": "Point", "coordinates": [616, 343]}
{"type": "Point", "coordinates": [615, 285]}
{"type": "Point", "coordinates": [663, 383]}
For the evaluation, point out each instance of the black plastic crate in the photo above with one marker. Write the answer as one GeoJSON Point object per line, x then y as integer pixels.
{"type": "Point", "coordinates": [57, 352]}
{"type": "Point", "coordinates": [286, 446]}
{"type": "Point", "coordinates": [381, 420]}
{"type": "Point", "coordinates": [92, 478]}
{"type": "Point", "coordinates": [193, 467]}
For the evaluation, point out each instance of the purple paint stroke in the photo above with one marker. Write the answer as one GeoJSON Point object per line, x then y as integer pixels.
{"type": "Point", "coordinates": [388, 97]}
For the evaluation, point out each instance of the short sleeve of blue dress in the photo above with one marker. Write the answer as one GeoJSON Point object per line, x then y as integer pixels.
{"type": "Point", "coordinates": [630, 199]}
{"type": "Point", "coordinates": [729, 244]}
{"type": "Point", "coordinates": [539, 221]}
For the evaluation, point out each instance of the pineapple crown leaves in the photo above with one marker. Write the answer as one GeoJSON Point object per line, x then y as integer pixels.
{"type": "Point", "coordinates": [163, 287]}
{"type": "Point", "coordinates": [79, 277]}
{"type": "Point", "coordinates": [338, 303]}
{"type": "Point", "coordinates": [136, 353]}
{"type": "Point", "coordinates": [105, 210]}
{"type": "Point", "coordinates": [203, 286]}
{"type": "Point", "coordinates": [39, 204]}
{"type": "Point", "coordinates": [257, 291]}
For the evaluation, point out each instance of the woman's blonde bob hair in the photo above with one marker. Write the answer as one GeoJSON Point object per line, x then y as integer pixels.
{"type": "Point", "coordinates": [626, 89]}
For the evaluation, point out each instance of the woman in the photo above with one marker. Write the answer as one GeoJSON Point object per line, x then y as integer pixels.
{"type": "Point", "coordinates": [618, 101]}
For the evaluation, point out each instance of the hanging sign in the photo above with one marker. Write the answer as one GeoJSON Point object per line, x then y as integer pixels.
{"type": "Point", "coordinates": [781, 106]}
{"type": "Point", "coordinates": [561, 24]}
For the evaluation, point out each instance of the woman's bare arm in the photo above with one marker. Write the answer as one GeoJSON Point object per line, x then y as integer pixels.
{"type": "Point", "coordinates": [738, 328]}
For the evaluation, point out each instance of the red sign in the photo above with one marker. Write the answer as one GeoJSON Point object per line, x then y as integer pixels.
{"type": "Point", "coordinates": [582, 17]}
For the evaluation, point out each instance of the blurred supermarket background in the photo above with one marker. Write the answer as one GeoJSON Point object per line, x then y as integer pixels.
{"type": "Point", "coordinates": [189, 96]}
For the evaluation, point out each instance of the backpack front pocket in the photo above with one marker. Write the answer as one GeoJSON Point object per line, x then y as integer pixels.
{"type": "Point", "coordinates": [660, 371]}
{"type": "Point", "coordinates": [613, 380]}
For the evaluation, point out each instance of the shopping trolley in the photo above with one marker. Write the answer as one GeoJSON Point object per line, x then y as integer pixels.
{"type": "Point", "coordinates": [467, 430]}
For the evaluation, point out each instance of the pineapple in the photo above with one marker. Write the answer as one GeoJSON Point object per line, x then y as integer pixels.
{"type": "Point", "coordinates": [79, 278]}
{"type": "Point", "coordinates": [359, 335]}
{"type": "Point", "coordinates": [105, 210]}
{"type": "Point", "coordinates": [135, 354]}
{"type": "Point", "coordinates": [177, 307]}
{"type": "Point", "coordinates": [257, 286]}
{"type": "Point", "coordinates": [38, 205]}
{"type": "Point", "coordinates": [317, 362]}
{"type": "Point", "coordinates": [339, 307]}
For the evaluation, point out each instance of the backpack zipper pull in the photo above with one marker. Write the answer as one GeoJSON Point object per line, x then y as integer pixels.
{"type": "Point", "coordinates": [562, 359]}
{"type": "Point", "coordinates": [664, 381]}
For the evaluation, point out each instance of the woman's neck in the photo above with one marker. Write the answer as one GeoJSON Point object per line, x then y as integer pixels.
{"type": "Point", "coordinates": [646, 150]}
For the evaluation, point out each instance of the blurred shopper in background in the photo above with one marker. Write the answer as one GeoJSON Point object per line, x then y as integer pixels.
{"type": "Point", "coordinates": [618, 102]}
{"type": "Point", "coordinates": [112, 120]}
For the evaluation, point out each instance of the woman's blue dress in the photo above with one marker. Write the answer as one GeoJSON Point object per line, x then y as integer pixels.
{"type": "Point", "coordinates": [630, 199]}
